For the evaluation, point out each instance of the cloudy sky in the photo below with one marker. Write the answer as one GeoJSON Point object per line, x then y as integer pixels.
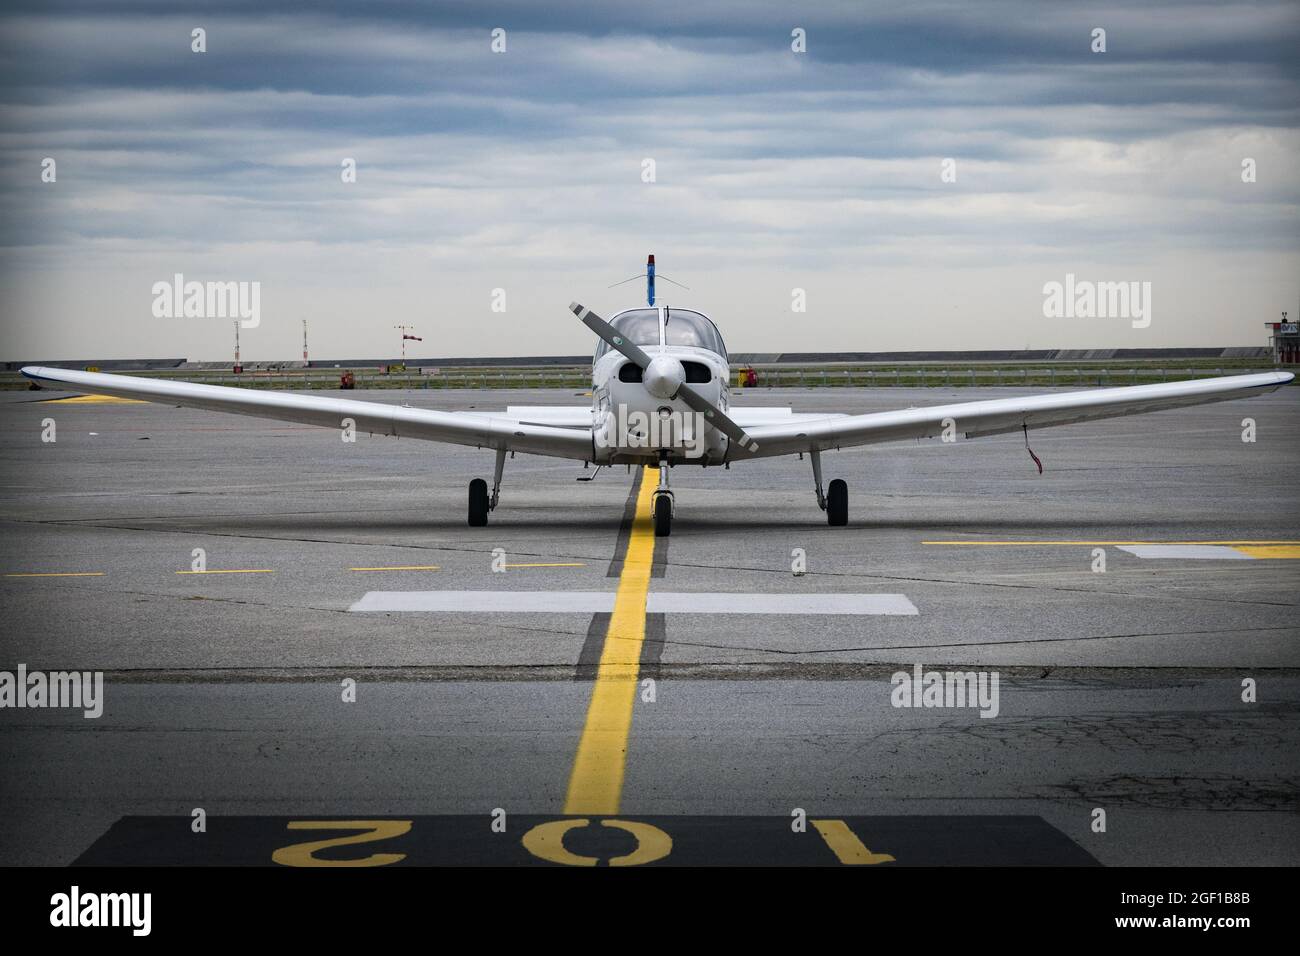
{"type": "Point", "coordinates": [523, 170]}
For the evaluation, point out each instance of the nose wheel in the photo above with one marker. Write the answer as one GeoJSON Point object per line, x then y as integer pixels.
{"type": "Point", "coordinates": [663, 514]}
{"type": "Point", "coordinates": [661, 506]}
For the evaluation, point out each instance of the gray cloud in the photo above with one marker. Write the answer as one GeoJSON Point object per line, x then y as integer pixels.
{"type": "Point", "coordinates": [523, 170]}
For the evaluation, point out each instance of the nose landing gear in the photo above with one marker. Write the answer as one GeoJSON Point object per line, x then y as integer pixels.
{"type": "Point", "coordinates": [663, 512]}
{"type": "Point", "coordinates": [662, 503]}
{"type": "Point", "coordinates": [480, 502]}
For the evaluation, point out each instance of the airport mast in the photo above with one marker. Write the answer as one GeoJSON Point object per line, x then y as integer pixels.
{"type": "Point", "coordinates": [414, 338]}
{"type": "Point", "coordinates": [304, 342]}
{"type": "Point", "coordinates": [238, 368]}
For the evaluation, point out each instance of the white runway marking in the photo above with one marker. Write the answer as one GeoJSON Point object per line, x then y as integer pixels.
{"type": "Point", "coordinates": [1195, 551]}
{"type": "Point", "coordinates": [712, 603]}
{"type": "Point", "coordinates": [489, 602]}
{"type": "Point", "coordinates": [594, 602]}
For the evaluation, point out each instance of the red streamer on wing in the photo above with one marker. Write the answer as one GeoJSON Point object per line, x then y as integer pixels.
{"type": "Point", "coordinates": [1030, 450]}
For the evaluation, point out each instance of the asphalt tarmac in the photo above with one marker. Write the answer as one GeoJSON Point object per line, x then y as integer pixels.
{"type": "Point", "coordinates": [1118, 690]}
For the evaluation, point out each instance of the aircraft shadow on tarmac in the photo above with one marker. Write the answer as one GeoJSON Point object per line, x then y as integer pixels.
{"type": "Point", "coordinates": [548, 518]}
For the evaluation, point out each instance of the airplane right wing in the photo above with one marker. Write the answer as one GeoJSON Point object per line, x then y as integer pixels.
{"type": "Point", "coordinates": [1001, 415]}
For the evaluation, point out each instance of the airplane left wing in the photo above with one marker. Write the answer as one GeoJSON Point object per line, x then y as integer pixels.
{"type": "Point", "coordinates": [456, 428]}
{"type": "Point", "coordinates": [1001, 415]}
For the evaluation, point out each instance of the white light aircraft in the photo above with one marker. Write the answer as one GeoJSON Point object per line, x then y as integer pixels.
{"type": "Point", "coordinates": [660, 395]}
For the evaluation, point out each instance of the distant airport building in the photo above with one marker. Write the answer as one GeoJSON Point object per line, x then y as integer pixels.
{"type": "Point", "coordinates": [1284, 338]}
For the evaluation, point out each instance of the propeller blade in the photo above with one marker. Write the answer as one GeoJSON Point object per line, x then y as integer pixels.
{"type": "Point", "coordinates": [716, 417]}
{"type": "Point", "coordinates": [610, 334]}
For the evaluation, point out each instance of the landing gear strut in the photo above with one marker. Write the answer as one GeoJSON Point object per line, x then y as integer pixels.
{"type": "Point", "coordinates": [662, 502]}
{"type": "Point", "coordinates": [480, 503]}
{"type": "Point", "coordinates": [836, 503]}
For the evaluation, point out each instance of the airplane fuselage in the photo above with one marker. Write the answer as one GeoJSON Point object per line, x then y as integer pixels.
{"type": "Point", "coordinates": [637, 415]}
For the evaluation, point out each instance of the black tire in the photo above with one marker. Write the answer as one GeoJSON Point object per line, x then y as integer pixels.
{"type": "Point", "coordinates": [478, 503]}
{"type": "Point", "coordinates": [837, 504]}
{"type": "Point", "coordinates": [663, 516]}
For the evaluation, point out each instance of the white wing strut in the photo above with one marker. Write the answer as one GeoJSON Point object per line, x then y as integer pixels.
{"type": "Point", "coordinates": [996, 416]}
{"type": "Point", "coordinates": [456, 428]}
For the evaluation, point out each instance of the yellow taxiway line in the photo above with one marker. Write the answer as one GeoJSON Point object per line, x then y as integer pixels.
{"type": "Point", "coordinates": [399, 567]}
{"type": "Point", "coordinates": [596, 781]}
{"type": "Point", "coordinates": [57, 574]}
{"type": "Point", "coordinates": [403, 567]}
{"type": "Point", "coordinates": [233, 571]}
{"type": "Point", "coordinates": [1284, 551]}
{"type": "Point", "coordinates": [1099, 544]}
{"type": "Point", "coordinates": [94, 400]}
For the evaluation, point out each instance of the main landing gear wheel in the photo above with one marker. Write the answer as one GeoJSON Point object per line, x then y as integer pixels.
{"type": "Point", "coordinates": [663, 510]}
{"type": "Point", "coordinates": [478, 503]}
{"type": "Point", "coordinates": [837, 504]}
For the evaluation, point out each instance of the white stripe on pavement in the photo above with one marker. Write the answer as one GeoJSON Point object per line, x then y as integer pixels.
{"type": "Point", "coordinates": [1194, 551]}
{"type": "Point", "coordinates": [480, 602]}
{"type": "Point", "coordinates": [593, 602]}
{"type": "Point", "coordinates": [712, 603]}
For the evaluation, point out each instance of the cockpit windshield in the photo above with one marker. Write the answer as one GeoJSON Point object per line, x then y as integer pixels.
{"type": "Point", "coordinates": [684, 327]}
{"type": "Point", "coordinates": [638, 326]}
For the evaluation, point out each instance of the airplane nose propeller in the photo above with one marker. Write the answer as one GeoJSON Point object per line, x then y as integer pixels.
{"type": "Point", "coordinates": [663, 376]}
{"type": "Point", "coordinates": [693, 399]}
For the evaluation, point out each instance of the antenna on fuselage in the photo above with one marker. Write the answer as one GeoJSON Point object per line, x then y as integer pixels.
{"type": "Point", "coordinates": [650, 280]}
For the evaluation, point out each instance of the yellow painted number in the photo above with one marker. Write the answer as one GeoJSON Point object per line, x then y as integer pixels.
{"type": "Point", "coordinates": [304, 854]}
{"type": "Point", "coordinates": [846, 846]}
{"type": "Point", "coordinates": [546, 842]}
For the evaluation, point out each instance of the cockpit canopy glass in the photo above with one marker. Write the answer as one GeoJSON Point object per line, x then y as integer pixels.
{"type": "Point", "coordinates": [638, 326]}
{"type": "Point", "coordinates": [684, 327]}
